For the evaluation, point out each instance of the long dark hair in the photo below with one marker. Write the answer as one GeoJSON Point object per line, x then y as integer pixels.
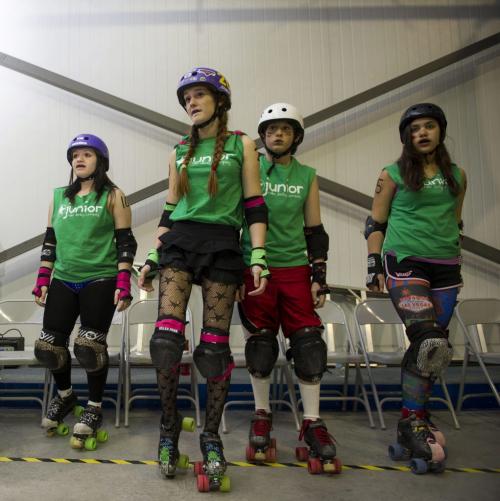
{"type": "Point", "coordinates": [101, 180]}
{"type": "Point", "coordinates": [411, 165]}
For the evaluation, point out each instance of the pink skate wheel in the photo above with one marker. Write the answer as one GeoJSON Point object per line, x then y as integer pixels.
{"type": "Point", "coordinates": [314, 466]}
{"type": "Point", "coordinates": [271, 455]}
{"type": "Point", "coordinates": [198, 468]}
{"type": "Point", "coordinates": [301, 453]}
{"type": "Point", "coordinates": [203, 483]}
{"type": "Point", "coordinates": [250, 453]}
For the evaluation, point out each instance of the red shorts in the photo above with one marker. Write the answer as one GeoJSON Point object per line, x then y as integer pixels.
{"type": "Point", "coordinates": [286, 302]}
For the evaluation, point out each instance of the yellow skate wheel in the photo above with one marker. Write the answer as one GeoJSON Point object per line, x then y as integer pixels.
{"type": "Point", "coordinates": [102, 436]}
{"type": "Point", "coordinates": [260, 456]}
{"type": "Point", "coordinates": [188, 424]}
{"type": "Point", "coordinates": [78, 410]}
{"type": "Point", "coordinates": [91, 444]}
{"type": "Point", "coordinates": [76, 443]}
{"type": "Point", "coordinates": [225, 484]}
{"type": "Point", "coordinates": [183, 461]}
{"type": "Point", "coordinates": [62, 429]}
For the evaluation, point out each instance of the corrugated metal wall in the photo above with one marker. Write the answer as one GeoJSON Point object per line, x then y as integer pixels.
{"type": "Point", "coordinates": [310, 53]}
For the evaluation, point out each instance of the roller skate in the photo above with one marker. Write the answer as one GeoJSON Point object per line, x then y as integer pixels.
{"type": "Point", "coordinates": [58, 409]}
{"type": "Point", "coordinates": [419, 443]}
{"type": "Point", "coordinates": [320, 455]}
{"type": "Point", "coordinates": [168, 451]}
{"type": "Point", "coordinates": [438, 434]}
{"type": "Point", "coordinates": [87, 432]}
{"type": "Point", "coordinates": [261, 446]}
{"type": "Point", "coordinates": [210, 473]}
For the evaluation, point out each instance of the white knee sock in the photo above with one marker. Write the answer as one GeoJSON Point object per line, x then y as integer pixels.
{"type": "Point", "coordinates": [310, 399]}
{"type": "Point", "coordinates": [65, 393]}
{"type": "Point", "coordinates": [260, 388]}
{"type": "Point", "coordinates": [95, 404]}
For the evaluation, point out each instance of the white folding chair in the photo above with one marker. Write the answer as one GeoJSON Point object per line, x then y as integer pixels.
{"type": "Point", "coordinates": [383, 342]}
{"type": "Point", "coordinates": [26, 317]}
{"type": "Point", "coordinates": [480, 322]}
{"type": "Point", "coordinates": [139, 327]}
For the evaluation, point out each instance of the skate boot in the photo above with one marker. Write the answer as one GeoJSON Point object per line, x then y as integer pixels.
{"type": "Point", "coordinates": [320, 455]}
{"type": "Point", "coordinates": [210, 472]}
{"type": "Point", "coordinates": [261, 446]}
{"type": "Point", "coordinates": [87, 432]}
{"type": "Point", "coordinates": [58, 409]}
{"type": "Point", "coordinates": [438, 434]}
{"type": "Point", "coordinates": [168, 451]}
{"type": "Point", "coordinates": [417, 442]}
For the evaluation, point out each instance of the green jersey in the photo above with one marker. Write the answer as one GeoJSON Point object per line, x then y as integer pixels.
{"type": "Point", "coordinates": [226, 206]}
{"type": "Point", "coordinates": [285, 189]}
{"type": "Point", "coordinates": [423, 223]}
{"type": "Point", "coordinates": [84, 231]}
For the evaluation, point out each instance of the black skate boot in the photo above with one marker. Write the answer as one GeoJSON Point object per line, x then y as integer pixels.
{"type": "Point", "coordinates": [58, 409]}
{"type": "Point", "coordinates": [168, 449]}
{"type": "Point", "coordinates": [320, 456]}
{"type": "Point", "coordinates": [261, 446]}
{"type": "Point", "coordinates": [211, 472]}
{"type": "Point", "coordinates": [417, 442]}
{"type": "Point", "coordinates": [87, 432]}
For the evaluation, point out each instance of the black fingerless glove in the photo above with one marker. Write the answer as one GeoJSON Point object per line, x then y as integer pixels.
{"type": "Point", "coordinates": [374, 268]}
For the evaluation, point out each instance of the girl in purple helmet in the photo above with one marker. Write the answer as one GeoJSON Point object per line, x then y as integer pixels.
{"type": "Point", "coordinates": [415, 224]}
{"type": "Point", "coordinates": [213, 183]}
{"type": "Point", "coordinates": [88, 249]}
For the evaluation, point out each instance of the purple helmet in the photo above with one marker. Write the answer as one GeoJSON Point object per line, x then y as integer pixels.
{"type": "Point", "coordinates": [88, 141]}
{"type": "Point", "coordinates": [204, 76]}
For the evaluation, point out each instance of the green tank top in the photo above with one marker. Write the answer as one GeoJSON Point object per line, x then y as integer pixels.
{"type": "Point", "coordinates": [197, 205]}
{"type": "Point", "coordinates": [423, 223]}
{"type": "Point", "coordinates": [84, 231]}
{"type": "Point", "coordinates": [285, 191]}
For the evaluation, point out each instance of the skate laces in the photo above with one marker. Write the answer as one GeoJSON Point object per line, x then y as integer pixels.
{"type": "Point", "coordinates": [89, 416]}
{"type": "Point", "coordinates": [319, 430]}
{"type": "Point", "coordinates": [261, 424]}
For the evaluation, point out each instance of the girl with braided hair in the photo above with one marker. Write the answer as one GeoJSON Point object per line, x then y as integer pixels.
{"type": "Point", "coordinates": [213, 182]}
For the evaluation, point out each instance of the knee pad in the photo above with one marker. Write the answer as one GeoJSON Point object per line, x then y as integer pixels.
{"type": "Point", "coordinates": [91, 349]}
{"type": "Point", "coordinates": [261, 353]}
{"type": "Point", "coordinates": [429, 352]}
{"type": "Point", "coordinates": [51, 350]}
{"type": "Point", "coordinates": [308, 351]}
{"type": "Point", "coordinates": [167, 343]}
{"type": "Point", "coordinates": [213, 355]}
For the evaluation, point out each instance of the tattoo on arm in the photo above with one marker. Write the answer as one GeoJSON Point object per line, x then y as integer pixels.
{"type": "Point", "coordinates": [125, 202]}
{"type": "Point", "coordinates": [378, 188]}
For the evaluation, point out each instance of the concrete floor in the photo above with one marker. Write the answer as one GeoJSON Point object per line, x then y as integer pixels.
{"type": "Point", "coordinates": [476, 445]}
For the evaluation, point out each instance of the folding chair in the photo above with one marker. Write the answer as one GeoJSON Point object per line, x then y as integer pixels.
{"type": "Point", "coordinates": [480, 322]}
{"type": "Point", "coordinates": [26, 317]}
{"type": "Point", "coordinates": [237, 344]}
{"type": "Point", "coordinates": [386, 346]}
{"type": "Point", "coordinates": [138, 329]}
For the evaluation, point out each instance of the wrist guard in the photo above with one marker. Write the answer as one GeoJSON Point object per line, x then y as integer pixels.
{"type": "Point", "coordinates": [42, 280]}
{"type": "Point", "coordinates": [374, 268]}
{"type": "Point", "coordinates": [258, 258]}
{"type": "Point", "coordinates": [317, 242]}
{"type": "Point", "coordinates": [123, 283]}
{"type": "Point", "coordinates": [319, 276]}
{"type": "Point", "coordinates": [152, 261]}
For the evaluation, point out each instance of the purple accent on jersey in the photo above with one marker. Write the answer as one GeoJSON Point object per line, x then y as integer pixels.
{"type": "Point", "coordinates": [171, 325]}
{"type": "Point", "coordinates": [452, 260]}
{"type": "Point", "coordinates": [123, 283]}
{"type": "Point", "coordinates": [254, 202]}
{"type": "Point", "coordinates": [42, 280]}
{"type": "Point", "coordinates": [212, 337]}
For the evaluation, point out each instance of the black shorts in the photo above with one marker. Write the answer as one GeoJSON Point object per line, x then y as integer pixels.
{"type": "Point", "coordinates": [436, 275]}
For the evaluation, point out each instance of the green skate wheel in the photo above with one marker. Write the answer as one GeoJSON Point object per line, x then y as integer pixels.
{"type": "Point", "coordinates": [102, 436]}
{"type": "Point", "coordinates": [183, 461]}
{"type": "Point", "coordinates": [78, 410]}
{"type": "Point", "coordinates": [225, 484]}
{"type": "Point", "coordinates": [62, 429]}
{"type": "Point", "coordinates": [91, 444]}
{"type": "Point", "coordinates": [188, 424]}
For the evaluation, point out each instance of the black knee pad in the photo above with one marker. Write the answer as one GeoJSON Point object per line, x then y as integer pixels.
{"type": "Point", "coordinates": [166, 349]}
{"type": "Point", "coordinates": [91, 349]}
{"type": "Point", "coordinates": [308, 351]}
{"type": "Point", "coordinates": [51, 350]}
{"type": "Point", "coordinates": [429, 352]}
{"type": "Point", "coordinates": [261, 353]}
{"type": "Point", "coordinates": [213, 360]}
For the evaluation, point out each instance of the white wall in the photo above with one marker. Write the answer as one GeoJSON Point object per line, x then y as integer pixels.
{"type": "Point", "coordinates": [310, 53]}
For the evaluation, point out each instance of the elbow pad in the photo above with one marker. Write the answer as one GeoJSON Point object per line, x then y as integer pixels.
{"type": "Point", "coordinates": [317, 242]}
{"type": "Point", "coordinates": [255, 210]}
{"type": "Point", "coordinates": [165, 220]}
{"type": "Point", "coordinates": [126, 245]}
{"type": "Point", "coordinates": [371, 226]}
{"type": "Point", "coordinates": [49, 246]}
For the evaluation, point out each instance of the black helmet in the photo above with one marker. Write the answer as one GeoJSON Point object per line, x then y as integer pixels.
{"type": "Point", "coordinates": [423, 110]}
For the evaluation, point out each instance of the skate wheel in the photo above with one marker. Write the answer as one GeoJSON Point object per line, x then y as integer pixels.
{"type": "Point", "coordinates": [198, 468]}
{"type": "Point", "coordinates": [50, 432]}
{"type": "Point", "coordinates": [302, 453]}
{"type": "Point", "coordinates": [203, 483]}
{"type": "Point", "coordinates": [271, 455]}
{"type": "Point", "coordinates": [102, 436]}
{"type": "Point", "coordinates": [418, 466]}
{"type": "Point", "coordinates": [62, 429]}
{"type": "Point", "coordinates": [78, 410]}
{"type": "Point", "coordinates": [183, 461]}
{"type": "Point", "coordinates": [75, 443]}
{"type": "Point", "coordinates": [90, 444]}
{"type": "Point", "coordinates": [334, 467]}
{"type": "Point", "coordinates": [250, 453]}
{"type": "Point", "coordinates": [225, 484]}
{"type": "Point", "coordinates": [314, 466]}
{"type": "Point", "coordinates": [398, 453]}
{"type": "Point", "coordinates": [438, 467]}
{"type": "Point", "coordinates": [188, 424]}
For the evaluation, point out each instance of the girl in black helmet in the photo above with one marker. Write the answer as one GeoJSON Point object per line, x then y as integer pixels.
{"type": "Point", "coordinates": [415, 228]}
